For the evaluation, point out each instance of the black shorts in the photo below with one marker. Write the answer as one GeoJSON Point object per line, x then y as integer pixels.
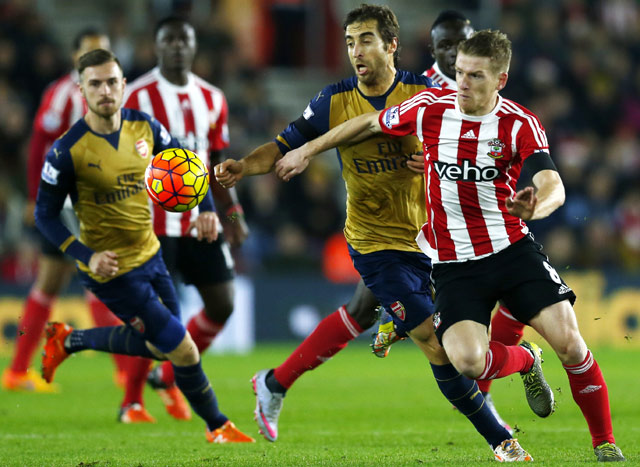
{"type": "Point", "coordinates": [198, 262]}
{"type": "Point", "coordinates": [520, 276]}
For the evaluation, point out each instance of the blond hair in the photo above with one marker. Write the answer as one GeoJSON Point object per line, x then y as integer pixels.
{"type": "Point", "coordinates": [492, 44]}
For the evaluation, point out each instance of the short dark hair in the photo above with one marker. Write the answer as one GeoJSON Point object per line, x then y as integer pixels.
{"type": "Point", "coordinates": [86, 32]}
{"type": "Point", "coordinates": [493, 44]}
{"type": "Point", "coordinates": [170, 20]}
{"type": "Point", "coordinates": [388, 26]}
{"type": "Point", "coordinates": [449, 15]}
{"type": "Point", "coordinates": [96, 57]}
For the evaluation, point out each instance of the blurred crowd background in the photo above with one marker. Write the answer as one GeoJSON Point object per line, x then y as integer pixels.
{"type": "Point", "coordinates": [576, 65]}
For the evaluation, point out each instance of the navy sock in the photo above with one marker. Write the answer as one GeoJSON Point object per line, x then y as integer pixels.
{"type": "Point", "coordinates": [464, 394]}
{"type": "Point", "coordinates": [195, 386]}
{"type": "Point", "coordinates": [113, 339]}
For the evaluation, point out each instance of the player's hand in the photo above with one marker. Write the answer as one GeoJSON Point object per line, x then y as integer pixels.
{"type": "Point", "coordinates": [28, 216]}
{"type": "Point", "coordinates": [104, 263]}
{"type": "Point", "coordinates": [416, 163]}
{"type": "Point", "coordinates": [206, 225]}
{"type": "Point", "coordinates": [235, 229]}
{"type": "Point", "coordinates": [228, 173]}
{"type": "Point", "coordinates": [293, 163]}
{"type": "Point", "coordinates": [523, 203]}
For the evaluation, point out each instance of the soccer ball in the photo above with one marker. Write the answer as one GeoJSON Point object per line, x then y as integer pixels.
{"type": "Point", "coordinates": [176, 180]}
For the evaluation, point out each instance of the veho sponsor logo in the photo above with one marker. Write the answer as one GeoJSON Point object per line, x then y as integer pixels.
{"type": "Point", "coordinates": [466, 173]}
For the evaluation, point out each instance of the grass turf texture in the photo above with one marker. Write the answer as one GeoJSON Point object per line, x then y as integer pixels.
{"type": "Point", "coordinates": [354, 410]}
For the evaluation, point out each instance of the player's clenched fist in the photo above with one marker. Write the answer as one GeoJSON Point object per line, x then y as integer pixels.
{"type": "Point", "coordinates": [104, 263]}
{"type": "Point", "coordinates": [206, 225]}
{"type": "Point", "coordinates": [228, 173]}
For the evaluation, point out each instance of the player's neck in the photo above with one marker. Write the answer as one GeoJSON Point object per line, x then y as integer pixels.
{"type": "Point", "coordinates": [177, 77]}
{"type": "Point", "coordinates": [103, 125]}
{"type": "Point", "coordinates": [381, 85]}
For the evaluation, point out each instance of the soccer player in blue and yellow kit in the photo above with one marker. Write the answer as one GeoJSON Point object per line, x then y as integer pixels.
{"type": "Point", "coordinates": [100, 163]}
{"type": "Point", "coordinates": [385, 210]}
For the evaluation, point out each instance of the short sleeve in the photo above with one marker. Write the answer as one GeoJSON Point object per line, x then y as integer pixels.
{"type": "Point", "coordinates": [219, 133]}
{"type": "Point", "coordinates": [531, 137]}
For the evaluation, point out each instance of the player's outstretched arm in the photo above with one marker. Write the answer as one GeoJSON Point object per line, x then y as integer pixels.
{"type": "Point", "coordinates": [351, 131]}
{"type": "Point", "coordinates": [532, 204]}
{"type": "Point", "coordinates": [260, 161]}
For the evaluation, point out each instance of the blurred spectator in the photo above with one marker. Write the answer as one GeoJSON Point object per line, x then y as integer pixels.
{"type": "Point", "coordinates": [575, 64]}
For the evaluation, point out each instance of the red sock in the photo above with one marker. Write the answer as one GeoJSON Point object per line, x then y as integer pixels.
{"type": "Point", "coordinates": [37, 309]}
{"type": "Point", "coordinates": [330, 336]}
{"type": "Point", "coordinates": [505, 360]}
{"type": "Point", "coordinates": [102, 317]}
{"type": "Point", "coordinates": [203, 330]}
{"type": "Point", "coordinates": [590, 393]}
{"type": "Point", "coordinates": [137, 371]}
{"type": "Point", "coordinates": [506, 330]}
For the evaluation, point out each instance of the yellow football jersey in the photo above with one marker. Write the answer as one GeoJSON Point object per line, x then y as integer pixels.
{"type": "Point", "coordinates": [385, 199]}
{"type": "Point", "coordinates": [104, 175]}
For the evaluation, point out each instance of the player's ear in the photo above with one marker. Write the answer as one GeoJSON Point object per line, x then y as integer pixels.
{"type": "Point", "coordinates": [502, 80]}
{"type": "Point", "coordinates": [393, 46]}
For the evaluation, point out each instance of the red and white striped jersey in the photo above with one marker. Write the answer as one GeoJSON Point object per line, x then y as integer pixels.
{"type": "Point", "coordinates": [195, 114]}
{"type": "Point", "coordinates": [472, 165]}
{"type": "Point", "coordinates": [438, 77]}
{"type": "Point", "coordinates": [61, 106]}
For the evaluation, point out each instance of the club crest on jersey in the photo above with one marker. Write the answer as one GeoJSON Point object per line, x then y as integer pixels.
{"type": "Point", "coordinates": [398, 310]}
{"type": "Point", "coordinates": [142, 148]}
{"type": "Point", "coordinates": [137, 324]}
{"type": "Point", "coordinates": [495, 148]}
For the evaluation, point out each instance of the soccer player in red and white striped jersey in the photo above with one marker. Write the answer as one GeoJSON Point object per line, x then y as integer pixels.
{"type": "Point", "coordinates": [475, 144]}
{"type": "Point", "coordinates": [195, 112]}
{"type": "Point", "coordinates": [448, 30]}
{"type": "Point", "coordinates": [61, 105]}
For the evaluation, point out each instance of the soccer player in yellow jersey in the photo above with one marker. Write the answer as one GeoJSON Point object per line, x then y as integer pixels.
{"type": "Point", "coordinates": [385, 210]}
{"type": "Point", "coordinates": [100, 164]}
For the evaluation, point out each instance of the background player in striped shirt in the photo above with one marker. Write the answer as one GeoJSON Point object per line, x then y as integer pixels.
{"type": "Point", "coordinates": [61, 106]}
{"type": "Point", "coordinates": [475, 145]}
{"type": "Point", "coordinates": [379, 232]}
{"type": "Point", "coordinates": [100, 163]}
{"type": "Point", "coordinates": [195, 112]}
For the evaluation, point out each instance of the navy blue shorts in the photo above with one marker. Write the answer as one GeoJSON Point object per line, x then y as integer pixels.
{"type": "Point", "coordinates": [146, 300]}
{"type": "Point", "coordinates": [400, 281]}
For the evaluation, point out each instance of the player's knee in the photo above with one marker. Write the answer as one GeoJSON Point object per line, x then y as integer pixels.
{"type": "Point", "coordinates": [468, 361]}
{"type": "Point", "coordinates": [220, 312]}
{"type": "Point", "coordinates": [365, 316]}
{"type": "Point", "coordinates": [571, 349]}
{"type": "Point", "coordinates": [186, 354]}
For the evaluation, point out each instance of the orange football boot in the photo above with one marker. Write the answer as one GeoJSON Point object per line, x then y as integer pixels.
{"type": "Point", "coordinates": [174, 402]}
{"type": "Point", "coordinates": [54, 353]}
{"type": "Point", "coordinates": [228, 433]}
{"type": "Point", "coordinates": [26, 381]}
{"type": "Point", "coordinates": [135, 413]}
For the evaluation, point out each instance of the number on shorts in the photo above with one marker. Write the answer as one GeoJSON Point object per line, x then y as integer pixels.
{"type": "Point", "coordinates": [552, 273]}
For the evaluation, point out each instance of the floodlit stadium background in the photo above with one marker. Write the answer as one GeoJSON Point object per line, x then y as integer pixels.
{"type": "Point", "coordinates": [576, 64]}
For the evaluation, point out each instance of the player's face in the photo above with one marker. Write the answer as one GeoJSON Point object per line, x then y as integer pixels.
{"type": "Point", "coordinates": [368, 54]}
{"type": "Point", "coordinates": [103, 88]}
{"type": "Point", "coordinates": [445, 38]}
{"type": "Point", "coordinates": [478, 84]}
{"type": "Point", "coordinates": [176, 46]}
{"type": "Point", "coordinates": [89, 43]}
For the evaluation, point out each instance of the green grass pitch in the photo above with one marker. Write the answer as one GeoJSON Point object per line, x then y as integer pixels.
{"type": "Point", "coordinates": [354, 410]}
